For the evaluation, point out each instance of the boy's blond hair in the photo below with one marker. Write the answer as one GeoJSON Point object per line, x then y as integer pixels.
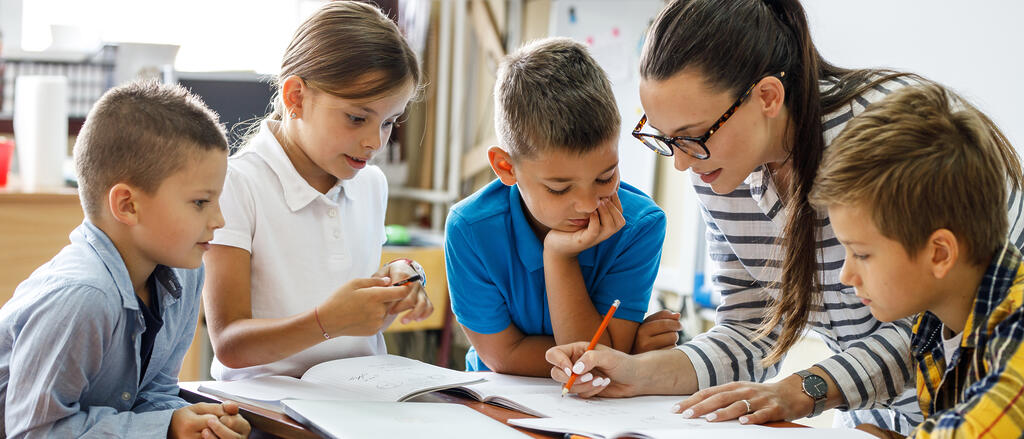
{"type": "Point", "coordinates": [141, 133]}
{"type": "Point", "coordinates": [552, 94]}
{"type": "Point", "coordinates": [924, 159]}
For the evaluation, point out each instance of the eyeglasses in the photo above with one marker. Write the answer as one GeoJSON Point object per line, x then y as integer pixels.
{"type": "Point", "coordinates": [695, 147]}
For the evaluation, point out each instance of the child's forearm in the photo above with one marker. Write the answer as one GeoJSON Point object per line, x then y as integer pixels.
{"type": "Point", "coordinates": [526, 357]}
{"type": "Point", "coordinates": [252, 342]}
{"type": "Point", "coordinates": [573, 315]}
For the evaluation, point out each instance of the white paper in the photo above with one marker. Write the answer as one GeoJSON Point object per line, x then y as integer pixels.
{"type": "Point", "coordinates": [376, 420]}
{"type": "Point", "coordinates": [671, 426]}
{"type": "Point", "coordinates": [371, 378]}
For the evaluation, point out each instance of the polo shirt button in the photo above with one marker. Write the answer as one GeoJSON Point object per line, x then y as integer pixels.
{"type": "Point", "coordinates": [126, 396]}
{"type": "Point", "coordinates": [337, 234]}
{"type": "Point", "coordinates": [332, 213]}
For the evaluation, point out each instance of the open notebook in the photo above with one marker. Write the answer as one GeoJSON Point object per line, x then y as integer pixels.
{"type": "Point", "coordinates": [387, 378]}
{"type": "Point", "coordinates": [391, 378]}
{"type": "Point", "coordinates": [673, 426]}
{"type": "Point", "coordinates": [542, 397]}
{"type": "Point", "coordinates": [375, 420]}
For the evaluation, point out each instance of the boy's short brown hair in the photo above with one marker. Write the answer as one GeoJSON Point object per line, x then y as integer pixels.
{"type": "Point", "coordinates": [552, 94]}
{"type": "Point", "coordinates": [924, 159]}
{"type": "Point", "coordinates": [140, 133]}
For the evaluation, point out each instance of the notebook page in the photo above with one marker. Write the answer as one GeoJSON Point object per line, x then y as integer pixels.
{"type": "Point", "coordinates": [552, 404]}
{"type": "Point", "coordinates": [385, 377]}
{"type": "Point", "coordinates": [498, 384]}
{"type": "Point", "coordinates": [654, 425]}
{"type": "Point", "coordinates": [268, 390]}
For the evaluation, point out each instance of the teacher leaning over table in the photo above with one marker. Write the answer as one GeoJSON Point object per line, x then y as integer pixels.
{"type": "Point", "coordinates": [738, 93]}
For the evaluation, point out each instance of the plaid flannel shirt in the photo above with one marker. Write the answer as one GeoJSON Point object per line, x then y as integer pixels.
{"type": "Point", "coordinates": [981, 393]}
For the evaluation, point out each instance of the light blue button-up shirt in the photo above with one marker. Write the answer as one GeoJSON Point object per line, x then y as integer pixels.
{"type": "Point", "coordinates": [70, 340]}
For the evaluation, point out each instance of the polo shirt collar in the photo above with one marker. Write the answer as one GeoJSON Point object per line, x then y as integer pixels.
{"type": "Point", "coordinates": [528, 246]}
{"type": "Point", "coordinates": [297, 191]}
{"type": "Point", "coordinates": [114, 263]}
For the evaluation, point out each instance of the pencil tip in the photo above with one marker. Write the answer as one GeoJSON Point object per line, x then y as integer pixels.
{"type": "Point", "coordinates": [564, 391]}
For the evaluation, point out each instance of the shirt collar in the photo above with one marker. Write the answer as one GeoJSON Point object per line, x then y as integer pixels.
{"type": "Point", "coordinates": [297, 191]}
{"type": "Point", "coordinates": [995, 285]}
{"type": "Point", "coordinates": [528, 246]}
{"type": "Point", "coordinates": [111, 258]}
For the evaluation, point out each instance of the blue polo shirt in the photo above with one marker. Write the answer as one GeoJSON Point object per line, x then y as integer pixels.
{"type": "Point", "coordinates": [496, 268]}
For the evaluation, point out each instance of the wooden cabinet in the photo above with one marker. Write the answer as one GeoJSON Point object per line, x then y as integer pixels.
{"type": "Point", "coordinates": [33, 228]}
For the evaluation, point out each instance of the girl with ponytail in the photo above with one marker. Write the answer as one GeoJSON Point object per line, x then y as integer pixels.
{"type": "Point", "coordinates": [777, 261]}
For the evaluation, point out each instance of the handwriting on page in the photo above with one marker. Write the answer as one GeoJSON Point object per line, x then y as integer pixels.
{"type": "Point", "coordinates": [554, 405]}
{"type": "Point", "coordinates": [383, 377]}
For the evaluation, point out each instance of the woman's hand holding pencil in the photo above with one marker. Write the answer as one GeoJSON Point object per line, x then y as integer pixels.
{"type": "Point", "coordinates": [593, 368]}
{"type": "Point", "coordinates": [599, 382]}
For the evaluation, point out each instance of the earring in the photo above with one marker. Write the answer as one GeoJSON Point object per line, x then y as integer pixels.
{"type": "Point", "coordinates": [293, 115]}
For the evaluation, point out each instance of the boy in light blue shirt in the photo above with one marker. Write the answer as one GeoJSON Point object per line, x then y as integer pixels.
{"type": "Point", "coordinates": [536, 258]}
{"type": "Point", "coordinates": [92, 342]}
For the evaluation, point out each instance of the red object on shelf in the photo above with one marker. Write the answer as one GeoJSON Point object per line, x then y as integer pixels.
{"type": "Point", "coordinates": [6, 152]}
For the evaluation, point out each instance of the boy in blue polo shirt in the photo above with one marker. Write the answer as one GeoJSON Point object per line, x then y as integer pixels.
{"type": "Point", "coordinates": [536, 258]}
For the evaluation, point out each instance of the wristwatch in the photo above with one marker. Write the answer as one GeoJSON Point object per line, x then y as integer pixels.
{"type": "Point", "coordinates": [816, 387]}
{"type": "Point", "coordinates": [416, 267]}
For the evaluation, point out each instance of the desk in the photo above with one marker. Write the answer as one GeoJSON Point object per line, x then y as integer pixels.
{"type": "Point", "coordinates": [266, 423]}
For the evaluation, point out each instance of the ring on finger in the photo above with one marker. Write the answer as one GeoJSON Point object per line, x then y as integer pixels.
{"type": "Point", "coordinates": [747, 404]}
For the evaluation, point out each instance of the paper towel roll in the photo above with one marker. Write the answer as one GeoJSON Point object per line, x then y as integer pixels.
{"type": "Point", "coordinates": [41, 130]}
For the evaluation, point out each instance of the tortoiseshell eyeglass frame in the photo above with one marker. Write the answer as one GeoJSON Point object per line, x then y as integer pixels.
{"type": "Point", "coordinates": [695, 147]}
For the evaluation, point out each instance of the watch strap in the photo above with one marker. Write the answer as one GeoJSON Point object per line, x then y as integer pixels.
{"type": "Point", "coordinates": [819, 403]}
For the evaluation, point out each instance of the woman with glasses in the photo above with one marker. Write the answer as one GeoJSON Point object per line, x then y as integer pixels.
{"type": "Point", "coordinates": [776, 261]}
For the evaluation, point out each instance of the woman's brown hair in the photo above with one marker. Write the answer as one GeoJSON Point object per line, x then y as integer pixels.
{"type": "Point", "coordinates": [733, 43]}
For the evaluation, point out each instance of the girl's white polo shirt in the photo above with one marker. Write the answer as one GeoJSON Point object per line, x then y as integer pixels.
{"type": "Point", "coordinates": [304, 244]}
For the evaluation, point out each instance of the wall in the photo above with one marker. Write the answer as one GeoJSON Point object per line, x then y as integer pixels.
{"type": "Point", "coordinates": [973, 47]}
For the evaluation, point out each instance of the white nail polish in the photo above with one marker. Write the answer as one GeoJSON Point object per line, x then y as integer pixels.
{"type": "Point", "coordinates": [597, 382]}
{"type": "Point", "coordinates": [711, 416]}
{"type": "Point", "coordinates": [675, 408]}
{"type": "Point", "coordinates": [744, 420]}
{"type": "Point", "coordinates": [688, 413]}
{"type": "Point", "coordinates": [578, 367]}
{"type": "Point", "coordinates": [589, 376]}
{"type": "Point", "coordinates": [567, 371]}
{"type": "Point", "coordinates": [606, 382]}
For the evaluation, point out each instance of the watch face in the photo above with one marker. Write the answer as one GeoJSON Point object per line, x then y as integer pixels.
{"type": "Point", "coordinates": [815, 386]}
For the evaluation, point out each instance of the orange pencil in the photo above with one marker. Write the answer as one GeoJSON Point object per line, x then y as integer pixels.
{"type": "Point", "coordinates": [593, 342]}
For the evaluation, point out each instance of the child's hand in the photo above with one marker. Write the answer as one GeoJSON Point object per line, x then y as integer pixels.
{"type": "Point", "coordinates": [208, 421]}
{"type": "Point", "coordinates": [416, 300]}
{"type": "Point", "coordinates": [360, 307]}
{"type": "Point", "coordinates": [658, 331]}
{"type": "Point", "coordinates": [604, 222]}
{"type": "Point", "coordinates": [237, 426]}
